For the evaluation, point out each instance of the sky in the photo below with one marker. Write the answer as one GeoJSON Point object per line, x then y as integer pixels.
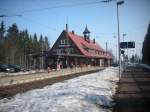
{"type": "Point", "coordinates": [48, 17]}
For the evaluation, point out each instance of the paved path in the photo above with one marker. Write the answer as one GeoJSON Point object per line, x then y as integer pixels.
{"type": "Point", "coordinates": [133, 94]}
{"type": "Point", "coordinates": [18, 79]}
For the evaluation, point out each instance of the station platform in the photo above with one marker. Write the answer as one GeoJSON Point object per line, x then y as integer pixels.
{"type": "Point", "coordinates": [133, 93]}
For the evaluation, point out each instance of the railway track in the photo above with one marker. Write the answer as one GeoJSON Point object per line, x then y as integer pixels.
{"type": "Point", "coordinates": [133, 93]}
{"type": "Point", "coordinates": [22, 84]}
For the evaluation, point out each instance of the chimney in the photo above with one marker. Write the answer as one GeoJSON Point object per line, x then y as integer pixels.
{"type": "Point", "coordinates": [94, 40]}
{"type": "Point", "coordinates": [66, 27]}
{"type": "Point", "coordinates": [72, 31]}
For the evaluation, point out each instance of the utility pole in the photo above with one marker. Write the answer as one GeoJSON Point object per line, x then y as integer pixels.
{"type": "Point", "coordinates": [42, 54]}
{"type": "Point", "coordinates": [123, 35]}
{"type": "Point", "coordinates": [116, 53]}
{"type": "Point", "coordinates": [106, 54]}
{"type": "Point", "coordinates": [25, 54]}
{"type": "Point", "coordinates": [106, 48]}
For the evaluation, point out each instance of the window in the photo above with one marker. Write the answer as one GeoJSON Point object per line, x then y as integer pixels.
{"type": "Point", "coordinates": [62, 42]}
{"type": "Point", "coordinates": [67, 42]}
{"type": "Point", "coordinates": [58, 51]}
{"type": "Point", "coordinates": [71, 50]}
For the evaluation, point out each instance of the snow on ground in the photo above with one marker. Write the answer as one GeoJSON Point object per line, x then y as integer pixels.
{"type": "Point", "coordinates": [89, 93]}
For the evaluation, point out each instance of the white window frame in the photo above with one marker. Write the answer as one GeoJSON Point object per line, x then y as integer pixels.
{"type": "Point", "coordinates": [63, 41]}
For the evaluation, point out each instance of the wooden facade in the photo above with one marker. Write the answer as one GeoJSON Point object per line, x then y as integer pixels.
{"type": "Point", "coordinates": [71, 49]}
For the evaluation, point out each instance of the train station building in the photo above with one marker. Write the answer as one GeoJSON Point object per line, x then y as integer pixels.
{"type": "Point", "coordinates": [72, 49]}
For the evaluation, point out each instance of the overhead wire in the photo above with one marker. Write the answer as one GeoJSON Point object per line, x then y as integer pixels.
{"type": "Point", "coordinates": [59, 6]}
{"type": "Point", "coordinates": [48, 8]}
{"type": "Point", "coordinates": [37, 22]}
{"type": "Point", "coordinates": [33, 21]}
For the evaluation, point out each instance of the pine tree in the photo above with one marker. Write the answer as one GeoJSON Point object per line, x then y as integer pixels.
{"type": "Point", "coordinates": [35, 43]}
{"type": "Point", "coordinates": [19, 47]}
{"type": "Point", "coordinates": [46, 43]}
{"type": "Point", "coordinates": [2, 31]}
{"type": "Point", "coordinates": [12, 39]}
{"type": "Point", "coordinates": [23, 50]}
{"type": "Point", "coordinates": [29, 50]}
{"type": "Point", "coordinates": [2, 43]}
{"type": "Point", "coordinates": [146, 48]}
{"type": "Point", "coordinates": [30, 44]}
{"type": "Point", "coordinates": [41, 43]}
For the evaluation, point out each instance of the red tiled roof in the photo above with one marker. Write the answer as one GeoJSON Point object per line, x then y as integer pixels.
{"type": "Point", "coordinates": [80, 42]}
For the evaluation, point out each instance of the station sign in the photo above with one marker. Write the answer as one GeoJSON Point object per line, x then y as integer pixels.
{"type": "Point", "coordinates": [130, 44]}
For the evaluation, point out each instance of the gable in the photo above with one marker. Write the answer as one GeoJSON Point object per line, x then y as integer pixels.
{"type": "Point", "coordinates": [63, 45]}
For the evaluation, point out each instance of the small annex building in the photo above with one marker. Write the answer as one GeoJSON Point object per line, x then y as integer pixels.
{"type": "Point", "coordinates": [72, 49]}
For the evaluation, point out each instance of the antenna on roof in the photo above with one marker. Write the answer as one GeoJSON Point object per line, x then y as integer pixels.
{"type": "Point", "coordinates": [67, 24]}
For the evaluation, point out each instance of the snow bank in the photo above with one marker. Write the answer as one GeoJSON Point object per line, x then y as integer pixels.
{"type": "Point", "coordinates": [89, 93]}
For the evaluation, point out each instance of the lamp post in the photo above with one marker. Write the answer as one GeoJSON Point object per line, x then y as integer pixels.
{"type": "Point", "coordinates": [119, 50]}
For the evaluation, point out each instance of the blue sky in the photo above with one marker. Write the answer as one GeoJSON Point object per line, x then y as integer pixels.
{"type": "Point", "coordinates": [48, 17]}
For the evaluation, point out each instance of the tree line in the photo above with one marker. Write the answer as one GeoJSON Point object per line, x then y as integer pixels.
{"type": "Point", "coordinates": [20, 47]}
{"type": "Point", "coordinates": [146, 47]}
